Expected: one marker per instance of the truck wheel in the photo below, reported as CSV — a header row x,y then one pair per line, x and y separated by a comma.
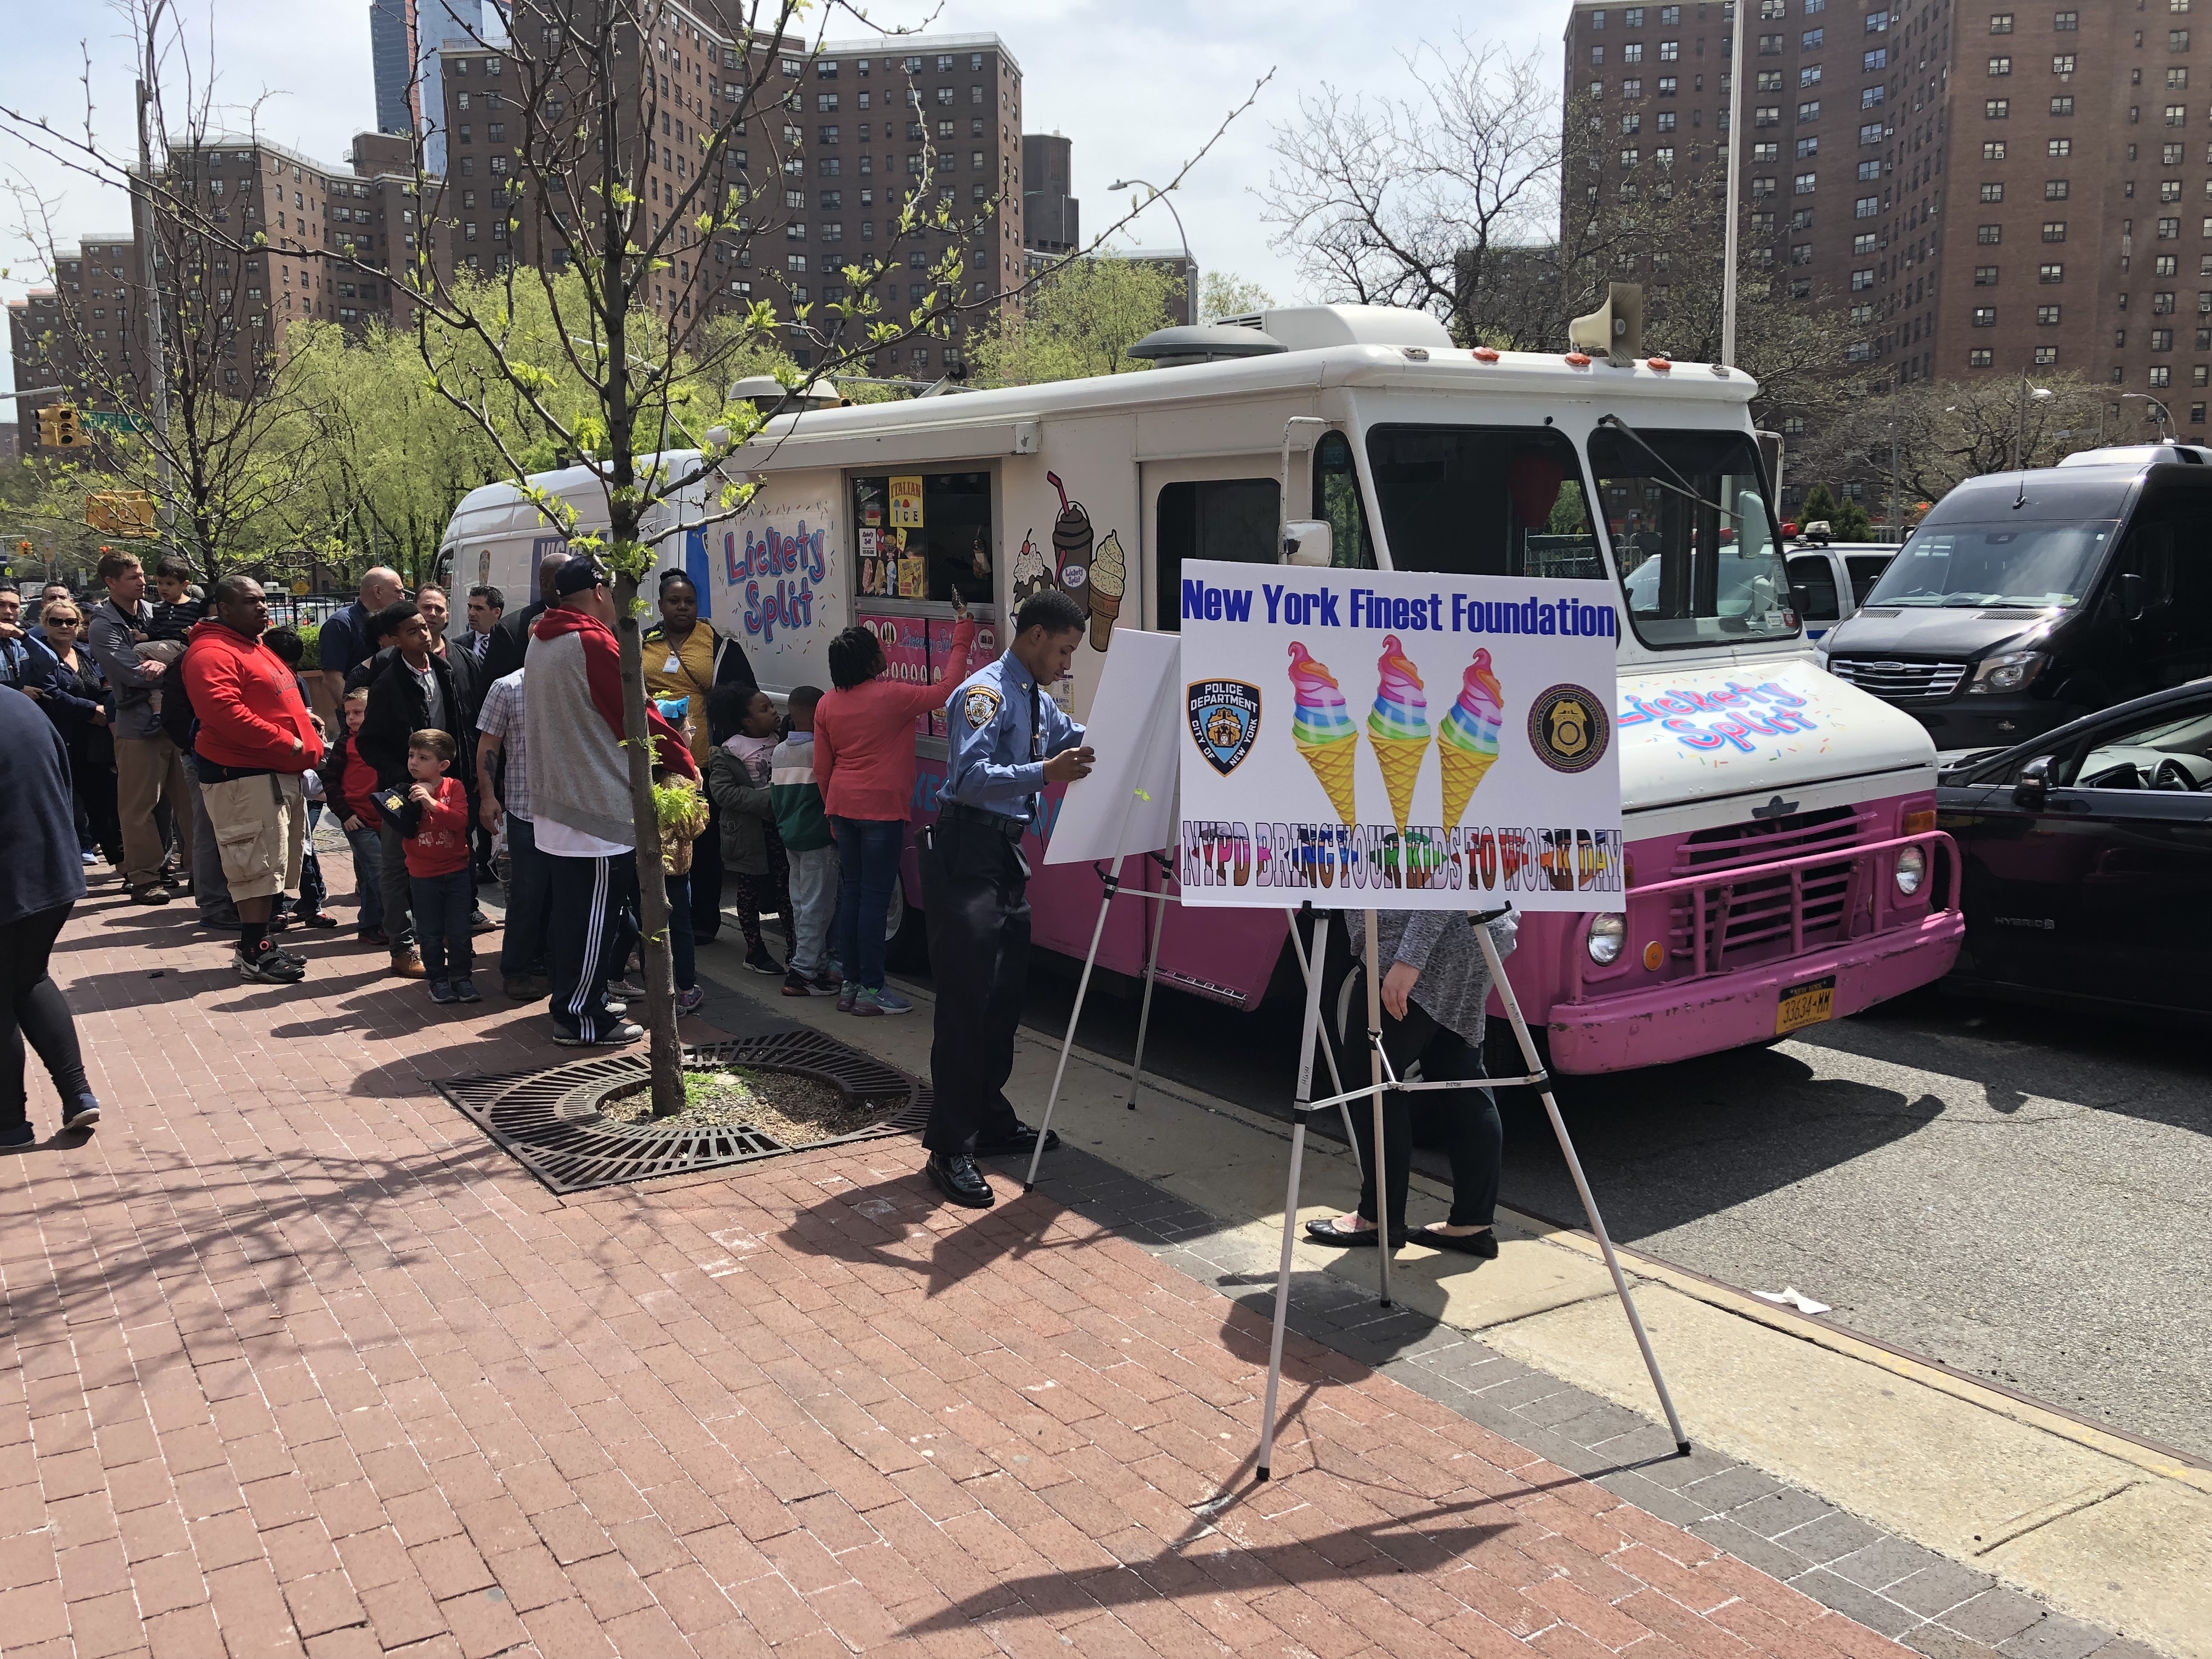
x,y
906,935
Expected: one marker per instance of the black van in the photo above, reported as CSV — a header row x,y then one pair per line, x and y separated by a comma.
x,y
2027,599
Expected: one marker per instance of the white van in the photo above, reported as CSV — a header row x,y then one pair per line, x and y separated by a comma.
x,y
497,534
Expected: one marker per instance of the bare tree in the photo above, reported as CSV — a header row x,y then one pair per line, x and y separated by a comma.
x,y
1478,199
1945,431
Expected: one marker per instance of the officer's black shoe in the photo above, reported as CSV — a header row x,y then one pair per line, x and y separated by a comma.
x,y
959,1179
1023,1139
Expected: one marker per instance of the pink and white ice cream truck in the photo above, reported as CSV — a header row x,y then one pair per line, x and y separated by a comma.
x,y
1783,861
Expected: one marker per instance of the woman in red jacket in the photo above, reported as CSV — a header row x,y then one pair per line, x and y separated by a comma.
x,y
864,765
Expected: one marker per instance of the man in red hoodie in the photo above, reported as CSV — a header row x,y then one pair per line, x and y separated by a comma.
x,y
579,798
255,738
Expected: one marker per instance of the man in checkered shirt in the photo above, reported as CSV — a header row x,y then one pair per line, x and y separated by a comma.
x,y
502,760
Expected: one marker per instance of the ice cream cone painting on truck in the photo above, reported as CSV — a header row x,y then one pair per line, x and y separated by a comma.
x,y
1548,653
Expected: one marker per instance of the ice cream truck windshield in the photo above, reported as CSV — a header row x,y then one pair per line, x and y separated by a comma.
x,y
1781,853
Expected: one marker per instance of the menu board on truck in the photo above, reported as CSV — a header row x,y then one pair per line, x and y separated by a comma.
x,y
1397,740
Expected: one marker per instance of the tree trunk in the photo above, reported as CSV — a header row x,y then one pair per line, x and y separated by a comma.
x,y
665,1052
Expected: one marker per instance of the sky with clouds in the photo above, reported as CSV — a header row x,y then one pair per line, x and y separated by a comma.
x,y
1136,84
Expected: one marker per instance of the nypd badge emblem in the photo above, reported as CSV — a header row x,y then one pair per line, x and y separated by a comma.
x,y
980,705
1225,719
1568,728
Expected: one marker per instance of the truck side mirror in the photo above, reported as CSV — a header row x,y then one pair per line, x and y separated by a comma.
x,y
2031,789
1306,541
2131,595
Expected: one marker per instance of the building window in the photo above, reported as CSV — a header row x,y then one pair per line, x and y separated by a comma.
x,y
2177,39
1808,76
2050,273
1861,281
1988,236
1869,172
2054,189
1993,192
2001,22
2062,63
1985,276
1863,244
2161,375
1803,185
2054,230
1876,59
1979,358
2047,316
2169,189
2168,229
1810,40
1993,109
1993,151
1867,207
1666,85
1766,115
1632,53
2000,66
2062,107
1986,316
1870,133
2161,303
2177,79
1809,111
2066,22
1770,45
1870,96
2177,115
2045,356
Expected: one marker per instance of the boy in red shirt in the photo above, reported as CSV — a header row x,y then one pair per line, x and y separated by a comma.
x,y
433,817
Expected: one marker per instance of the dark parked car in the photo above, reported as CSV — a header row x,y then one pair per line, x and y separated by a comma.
x,y
2089,859
2028,599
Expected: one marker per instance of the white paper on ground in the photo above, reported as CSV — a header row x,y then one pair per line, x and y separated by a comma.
x,y
1127,804
1790,1297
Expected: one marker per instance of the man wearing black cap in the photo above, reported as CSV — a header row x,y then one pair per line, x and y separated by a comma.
x,y
579,794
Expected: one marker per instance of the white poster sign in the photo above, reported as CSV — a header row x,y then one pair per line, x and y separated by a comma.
x,y
1127,805
1396,740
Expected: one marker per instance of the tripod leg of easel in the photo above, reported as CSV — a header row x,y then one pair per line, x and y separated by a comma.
x,y
1306,1035
1310,966
1383,1245
1144,1012
1074,1016
1582,1185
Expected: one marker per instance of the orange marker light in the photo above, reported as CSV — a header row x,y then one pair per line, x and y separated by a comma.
x,y
1653,955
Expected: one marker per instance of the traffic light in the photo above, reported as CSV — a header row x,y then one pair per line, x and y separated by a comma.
x,y
120,512
67,433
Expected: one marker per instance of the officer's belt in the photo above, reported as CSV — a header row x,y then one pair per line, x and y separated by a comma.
x,y
1012,828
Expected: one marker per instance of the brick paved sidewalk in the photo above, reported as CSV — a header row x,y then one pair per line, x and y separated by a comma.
x,y
295,1359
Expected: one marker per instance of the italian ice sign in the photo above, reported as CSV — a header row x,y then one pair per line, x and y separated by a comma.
x,y
1388,740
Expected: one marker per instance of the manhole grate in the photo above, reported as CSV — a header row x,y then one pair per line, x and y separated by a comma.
x,y
549,1121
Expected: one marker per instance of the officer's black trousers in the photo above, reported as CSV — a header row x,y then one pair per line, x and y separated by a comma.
x,y
974,890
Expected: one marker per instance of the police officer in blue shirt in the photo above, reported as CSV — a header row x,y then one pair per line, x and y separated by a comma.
x,y
1008,740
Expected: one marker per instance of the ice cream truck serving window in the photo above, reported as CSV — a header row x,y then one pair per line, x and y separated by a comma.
x,y
1483,500
1699,554
918,536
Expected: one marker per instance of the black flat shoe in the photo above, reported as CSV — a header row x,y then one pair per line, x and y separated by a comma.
x,y
1023,1139
960,1181
1327,1232
1484,1243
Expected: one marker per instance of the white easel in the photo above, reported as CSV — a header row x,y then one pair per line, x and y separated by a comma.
x,y
1383,1080
1111,879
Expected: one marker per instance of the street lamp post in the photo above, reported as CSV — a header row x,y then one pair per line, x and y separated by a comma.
x,y
1734,182
1159,195
2040,393
156,368
2164,414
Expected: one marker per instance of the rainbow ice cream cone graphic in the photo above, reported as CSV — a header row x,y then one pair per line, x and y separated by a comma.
x,y
1323,730
1398,726
1467,741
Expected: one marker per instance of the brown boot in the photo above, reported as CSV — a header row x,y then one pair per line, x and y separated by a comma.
x,y
407,962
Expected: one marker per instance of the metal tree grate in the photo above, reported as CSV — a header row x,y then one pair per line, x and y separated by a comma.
x,y
549,1121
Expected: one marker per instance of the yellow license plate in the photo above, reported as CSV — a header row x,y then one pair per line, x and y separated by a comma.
x,y
1805,1005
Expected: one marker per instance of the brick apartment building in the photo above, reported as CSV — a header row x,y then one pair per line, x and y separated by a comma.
x,y
849,135
1983,187
307,209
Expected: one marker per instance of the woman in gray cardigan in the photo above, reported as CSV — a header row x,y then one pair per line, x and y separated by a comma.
x,y
1433,995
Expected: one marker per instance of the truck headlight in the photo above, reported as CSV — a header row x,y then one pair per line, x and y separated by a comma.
x,y
1608,934
1911,870
2008,673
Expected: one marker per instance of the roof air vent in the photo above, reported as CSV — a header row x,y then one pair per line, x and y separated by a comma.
x,y
1205,343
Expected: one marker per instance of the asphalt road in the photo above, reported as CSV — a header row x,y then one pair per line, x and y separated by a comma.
x,y
2020,1195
